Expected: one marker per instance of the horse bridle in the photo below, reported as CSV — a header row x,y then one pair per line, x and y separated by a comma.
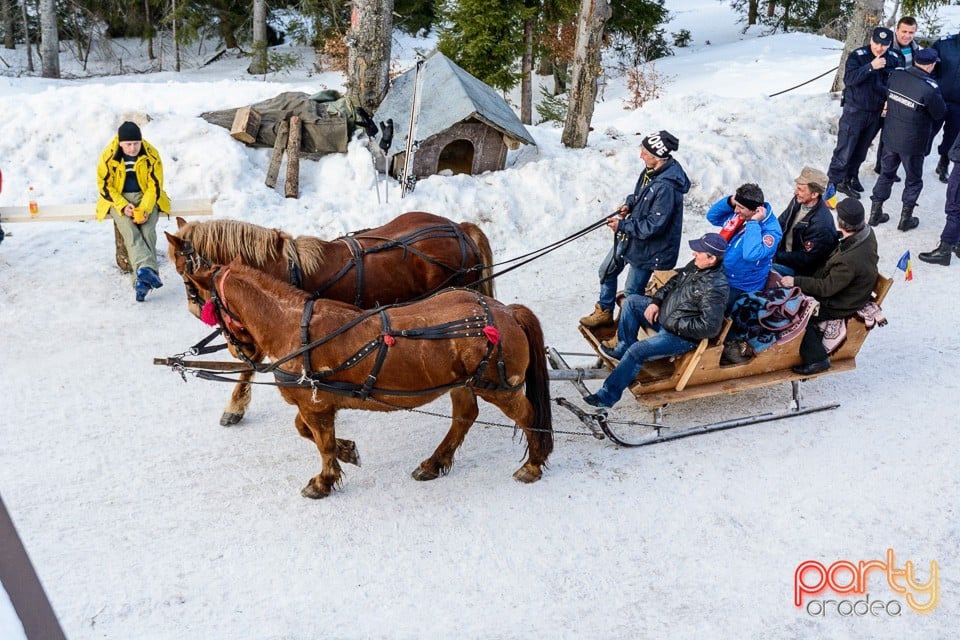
x,y
227,320
194,262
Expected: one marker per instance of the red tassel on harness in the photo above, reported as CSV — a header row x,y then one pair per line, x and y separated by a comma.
x,y
208,314
492,334
389,340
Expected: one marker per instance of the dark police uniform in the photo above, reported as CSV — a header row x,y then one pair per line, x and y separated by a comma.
x,y
947,75
865,90
914,103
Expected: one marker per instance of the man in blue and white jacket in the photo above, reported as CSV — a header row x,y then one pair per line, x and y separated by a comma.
x,y
754,233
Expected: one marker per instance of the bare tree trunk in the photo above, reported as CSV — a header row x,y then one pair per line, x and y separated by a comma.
x,y
866,16
771,8
176,43
893,14
526,77
585,71
8,42
368,60
258,65
148,21
753,8
49,40
26,36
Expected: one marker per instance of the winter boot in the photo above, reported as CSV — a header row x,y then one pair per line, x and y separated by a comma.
x,y
877,216
142,289
854,183
847,189
612,342
907,219
943,169
940,255
599,318
149,277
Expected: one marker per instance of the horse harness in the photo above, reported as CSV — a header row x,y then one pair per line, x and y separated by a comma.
x,y
477,326
406,243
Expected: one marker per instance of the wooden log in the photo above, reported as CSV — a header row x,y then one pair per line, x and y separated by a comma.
x,y
273,169
246,125
292,185
78,212
123,260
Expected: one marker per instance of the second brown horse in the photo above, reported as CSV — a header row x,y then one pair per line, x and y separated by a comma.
x,y
327,355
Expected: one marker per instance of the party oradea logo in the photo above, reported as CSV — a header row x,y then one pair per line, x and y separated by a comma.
x,y
851,582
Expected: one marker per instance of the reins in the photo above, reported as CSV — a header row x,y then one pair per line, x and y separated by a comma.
x,y
538,253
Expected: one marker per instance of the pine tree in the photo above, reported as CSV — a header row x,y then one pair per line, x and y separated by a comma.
x,y
485,37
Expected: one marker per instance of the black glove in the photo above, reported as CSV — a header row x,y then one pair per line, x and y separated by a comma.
x,y
365,121
386,134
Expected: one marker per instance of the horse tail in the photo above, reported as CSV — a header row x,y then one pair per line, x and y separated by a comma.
x,y
480,241
537,381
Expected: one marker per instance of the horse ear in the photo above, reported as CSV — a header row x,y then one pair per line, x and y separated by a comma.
x,y
174,241
203,279
181,223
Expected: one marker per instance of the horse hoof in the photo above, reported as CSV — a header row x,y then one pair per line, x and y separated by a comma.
x,y
347,452
422,474
311,492
527,474
228,419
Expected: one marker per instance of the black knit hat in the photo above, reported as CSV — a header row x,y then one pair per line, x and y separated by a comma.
x,y
129,132
851,212
661,144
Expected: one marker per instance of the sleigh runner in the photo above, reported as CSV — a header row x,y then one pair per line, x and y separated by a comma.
x,y
700,373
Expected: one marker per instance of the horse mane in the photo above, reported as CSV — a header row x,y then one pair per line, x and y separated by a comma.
x,y
220,241
309,251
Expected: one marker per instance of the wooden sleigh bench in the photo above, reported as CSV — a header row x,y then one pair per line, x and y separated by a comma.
x,y
698,373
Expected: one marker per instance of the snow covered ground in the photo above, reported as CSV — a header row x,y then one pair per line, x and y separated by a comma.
x,y
146,519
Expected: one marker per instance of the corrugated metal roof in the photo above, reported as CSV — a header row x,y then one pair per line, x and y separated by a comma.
x,y
449,95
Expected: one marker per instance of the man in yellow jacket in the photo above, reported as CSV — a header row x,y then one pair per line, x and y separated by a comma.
x,y
130,185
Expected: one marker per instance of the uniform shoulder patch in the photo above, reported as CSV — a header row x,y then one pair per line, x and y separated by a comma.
x,y
808,246
932,83
768,240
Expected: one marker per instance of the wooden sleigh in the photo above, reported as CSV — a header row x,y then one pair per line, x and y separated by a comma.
x,y
699,374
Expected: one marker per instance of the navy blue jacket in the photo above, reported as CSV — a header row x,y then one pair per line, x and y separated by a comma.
x,y
814,238
947,71
914,103
865,88
651,232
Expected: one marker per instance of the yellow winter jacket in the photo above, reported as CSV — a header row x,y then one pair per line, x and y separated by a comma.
x,y
111,174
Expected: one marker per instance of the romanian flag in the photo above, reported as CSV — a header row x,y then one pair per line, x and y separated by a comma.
x,y
830,197
906,265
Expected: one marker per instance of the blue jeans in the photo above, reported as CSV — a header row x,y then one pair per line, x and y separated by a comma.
x,y
610,270
634,353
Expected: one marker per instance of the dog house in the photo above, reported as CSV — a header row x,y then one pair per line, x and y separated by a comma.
x,y
461,124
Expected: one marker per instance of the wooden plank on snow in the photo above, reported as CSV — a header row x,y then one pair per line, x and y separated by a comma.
x,y
77,212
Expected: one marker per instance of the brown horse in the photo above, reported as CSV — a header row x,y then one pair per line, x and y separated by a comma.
x,y
413,255
457,341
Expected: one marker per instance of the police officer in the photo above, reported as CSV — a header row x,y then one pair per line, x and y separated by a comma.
x,y
904,47
948,77
914,104
865,88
